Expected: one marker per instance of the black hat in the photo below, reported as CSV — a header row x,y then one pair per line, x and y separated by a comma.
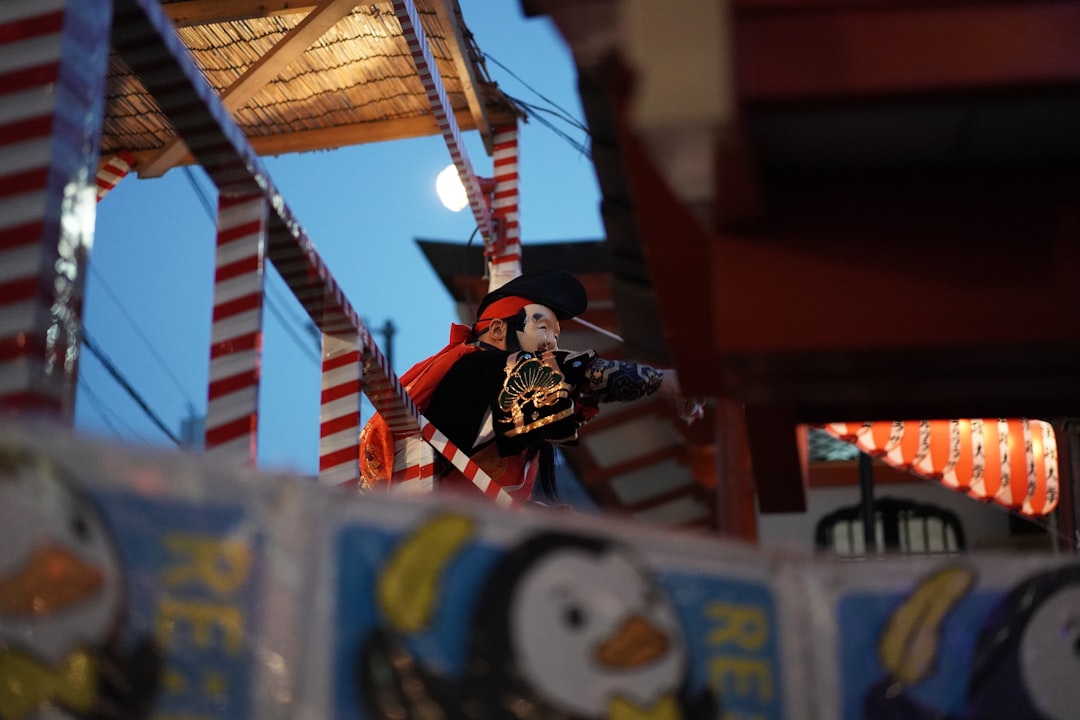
x,y
558,290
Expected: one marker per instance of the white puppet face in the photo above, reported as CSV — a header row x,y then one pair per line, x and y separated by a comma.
x,y
541,331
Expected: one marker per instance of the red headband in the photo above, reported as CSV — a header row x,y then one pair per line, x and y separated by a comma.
x,y
501,308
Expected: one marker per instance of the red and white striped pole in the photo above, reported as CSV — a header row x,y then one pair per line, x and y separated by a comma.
x,y
414,461
414,466
506,255
52,78
339,412
113,171
236,338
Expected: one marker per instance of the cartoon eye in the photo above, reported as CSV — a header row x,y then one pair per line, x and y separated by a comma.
x,y
574,617
80,527
653,595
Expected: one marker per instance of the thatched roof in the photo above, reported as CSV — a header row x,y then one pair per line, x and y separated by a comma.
x,y
306,76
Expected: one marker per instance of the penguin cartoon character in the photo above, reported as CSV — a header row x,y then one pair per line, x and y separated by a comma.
x,y
1026,659
61,601
570,626
565,626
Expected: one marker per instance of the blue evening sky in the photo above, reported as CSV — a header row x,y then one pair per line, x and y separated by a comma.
x,y
149,287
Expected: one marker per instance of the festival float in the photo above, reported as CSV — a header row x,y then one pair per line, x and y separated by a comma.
x,y
139,583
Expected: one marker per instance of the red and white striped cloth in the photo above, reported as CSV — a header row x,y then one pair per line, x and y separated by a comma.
x,y
465,465
236,337
339,412
52,73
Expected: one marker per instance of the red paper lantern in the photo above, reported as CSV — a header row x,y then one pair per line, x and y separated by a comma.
x,y
1012,462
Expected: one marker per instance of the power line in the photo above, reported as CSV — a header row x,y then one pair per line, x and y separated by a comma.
x,y
299,318
111,368
562,112
105,413
271,300
304,347
579,146
201,193
558,111
569,120
138,331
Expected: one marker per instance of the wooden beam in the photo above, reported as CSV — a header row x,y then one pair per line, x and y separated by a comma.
x,y
845,473
735,497
615,414
853,51
265,69
1068,509
330,138
691,490
778,456
758,6
638,462
207,12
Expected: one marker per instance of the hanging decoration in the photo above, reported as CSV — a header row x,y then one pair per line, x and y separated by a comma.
x,y
1012,462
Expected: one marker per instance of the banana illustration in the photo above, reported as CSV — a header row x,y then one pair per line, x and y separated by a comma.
x,y
908,646
408,588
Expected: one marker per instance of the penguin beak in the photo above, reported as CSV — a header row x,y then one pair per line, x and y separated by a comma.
x,y
50,581
636,643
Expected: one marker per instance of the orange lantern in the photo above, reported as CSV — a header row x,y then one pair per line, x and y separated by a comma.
x,y
1012,462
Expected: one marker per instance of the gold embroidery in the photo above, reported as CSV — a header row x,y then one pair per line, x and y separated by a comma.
x,y
530,381
532,392
533,386
520,429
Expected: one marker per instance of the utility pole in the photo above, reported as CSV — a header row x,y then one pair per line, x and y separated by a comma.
x,y
388,331
193,430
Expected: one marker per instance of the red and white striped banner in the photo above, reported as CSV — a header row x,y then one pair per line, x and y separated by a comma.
x,y
236,337
113,171
443,112
52,73
506,255
339,412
